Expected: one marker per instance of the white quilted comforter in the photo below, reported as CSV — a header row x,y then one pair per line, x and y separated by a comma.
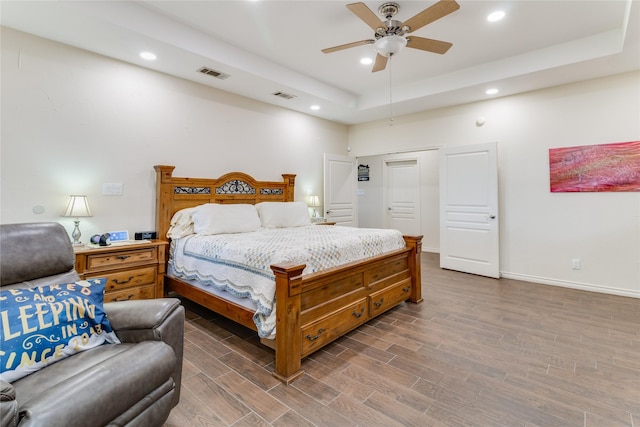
x,y
239,263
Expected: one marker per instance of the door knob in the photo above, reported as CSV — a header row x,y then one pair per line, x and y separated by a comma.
x,y
492,216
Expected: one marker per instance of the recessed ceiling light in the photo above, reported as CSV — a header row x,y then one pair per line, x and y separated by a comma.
x,y
495,16
366,61
491,91
149,56
315,107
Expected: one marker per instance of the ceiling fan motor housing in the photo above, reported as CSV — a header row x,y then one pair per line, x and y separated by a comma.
x,y
394,28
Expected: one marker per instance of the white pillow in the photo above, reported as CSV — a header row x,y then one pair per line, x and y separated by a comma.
x,y
283,214
181,224
214,218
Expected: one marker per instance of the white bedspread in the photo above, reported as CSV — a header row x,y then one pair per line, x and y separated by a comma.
x,y
239,263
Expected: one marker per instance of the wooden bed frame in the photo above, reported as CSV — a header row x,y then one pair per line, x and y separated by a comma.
x,y
313,310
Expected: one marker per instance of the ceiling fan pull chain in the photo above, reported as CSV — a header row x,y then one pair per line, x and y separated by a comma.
x,y
390,93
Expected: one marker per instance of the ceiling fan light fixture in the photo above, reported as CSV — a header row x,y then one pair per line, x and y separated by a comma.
x,y
389,45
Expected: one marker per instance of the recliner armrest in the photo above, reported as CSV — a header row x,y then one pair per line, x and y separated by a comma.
x,y
138,315
151,320
8,405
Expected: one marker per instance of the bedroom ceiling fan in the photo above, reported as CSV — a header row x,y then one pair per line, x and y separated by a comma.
x,y
390,35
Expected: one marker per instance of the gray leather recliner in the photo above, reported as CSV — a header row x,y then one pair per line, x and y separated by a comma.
x,y
134,383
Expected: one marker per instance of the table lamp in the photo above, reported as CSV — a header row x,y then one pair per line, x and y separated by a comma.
x,y
314,202
77,207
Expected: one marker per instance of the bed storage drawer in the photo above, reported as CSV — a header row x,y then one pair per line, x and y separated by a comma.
x,y
333,325
384,299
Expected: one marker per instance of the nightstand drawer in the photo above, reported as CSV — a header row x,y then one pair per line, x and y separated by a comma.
x,y
129,278
142,292
119,259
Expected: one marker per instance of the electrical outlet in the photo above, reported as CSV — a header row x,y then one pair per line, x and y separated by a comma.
x,y
576,264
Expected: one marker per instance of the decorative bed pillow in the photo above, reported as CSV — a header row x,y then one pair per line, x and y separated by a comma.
x,y
283,214
181,224
214,218
42,325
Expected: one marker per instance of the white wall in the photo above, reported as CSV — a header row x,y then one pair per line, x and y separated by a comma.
x,y
541,232
73,120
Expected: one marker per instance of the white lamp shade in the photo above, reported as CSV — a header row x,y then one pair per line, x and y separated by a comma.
x,y
78,206
389,45
314,201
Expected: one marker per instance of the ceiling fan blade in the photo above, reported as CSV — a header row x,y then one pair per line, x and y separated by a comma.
x,y
432,13
347,46
363,12
380,64
430,45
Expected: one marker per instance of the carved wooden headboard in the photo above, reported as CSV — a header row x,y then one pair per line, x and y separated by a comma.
x,y
173,194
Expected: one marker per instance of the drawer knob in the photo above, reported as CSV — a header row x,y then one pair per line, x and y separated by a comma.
x,y
405,290
358,315
378,304
118,282
123,257
315,337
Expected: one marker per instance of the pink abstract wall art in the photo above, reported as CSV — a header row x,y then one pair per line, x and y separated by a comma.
x,y
603,167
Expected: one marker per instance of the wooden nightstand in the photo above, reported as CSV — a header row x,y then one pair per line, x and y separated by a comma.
x,y
133,271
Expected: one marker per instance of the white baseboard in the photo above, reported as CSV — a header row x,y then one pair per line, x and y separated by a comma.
x,y
432,250
572,285
561,283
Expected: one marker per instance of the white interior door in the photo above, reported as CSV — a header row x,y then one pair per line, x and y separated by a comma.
x,y
340,190
402,196
469,222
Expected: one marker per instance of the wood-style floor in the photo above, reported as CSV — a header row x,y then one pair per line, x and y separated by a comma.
x,y
477,351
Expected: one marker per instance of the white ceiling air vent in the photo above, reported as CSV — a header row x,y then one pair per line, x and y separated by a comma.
x,y
284,95
211,72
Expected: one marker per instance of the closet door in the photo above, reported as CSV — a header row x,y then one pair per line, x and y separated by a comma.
x,y
402,196
340,190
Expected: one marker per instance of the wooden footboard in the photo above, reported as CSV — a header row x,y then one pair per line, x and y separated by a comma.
x,y
313,311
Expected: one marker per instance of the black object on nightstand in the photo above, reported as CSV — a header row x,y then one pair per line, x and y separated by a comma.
x,y
145,235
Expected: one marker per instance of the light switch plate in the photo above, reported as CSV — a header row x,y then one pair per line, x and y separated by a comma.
x,y
117,236
112,189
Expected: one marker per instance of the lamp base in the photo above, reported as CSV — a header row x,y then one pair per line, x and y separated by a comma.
x,y
76,233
